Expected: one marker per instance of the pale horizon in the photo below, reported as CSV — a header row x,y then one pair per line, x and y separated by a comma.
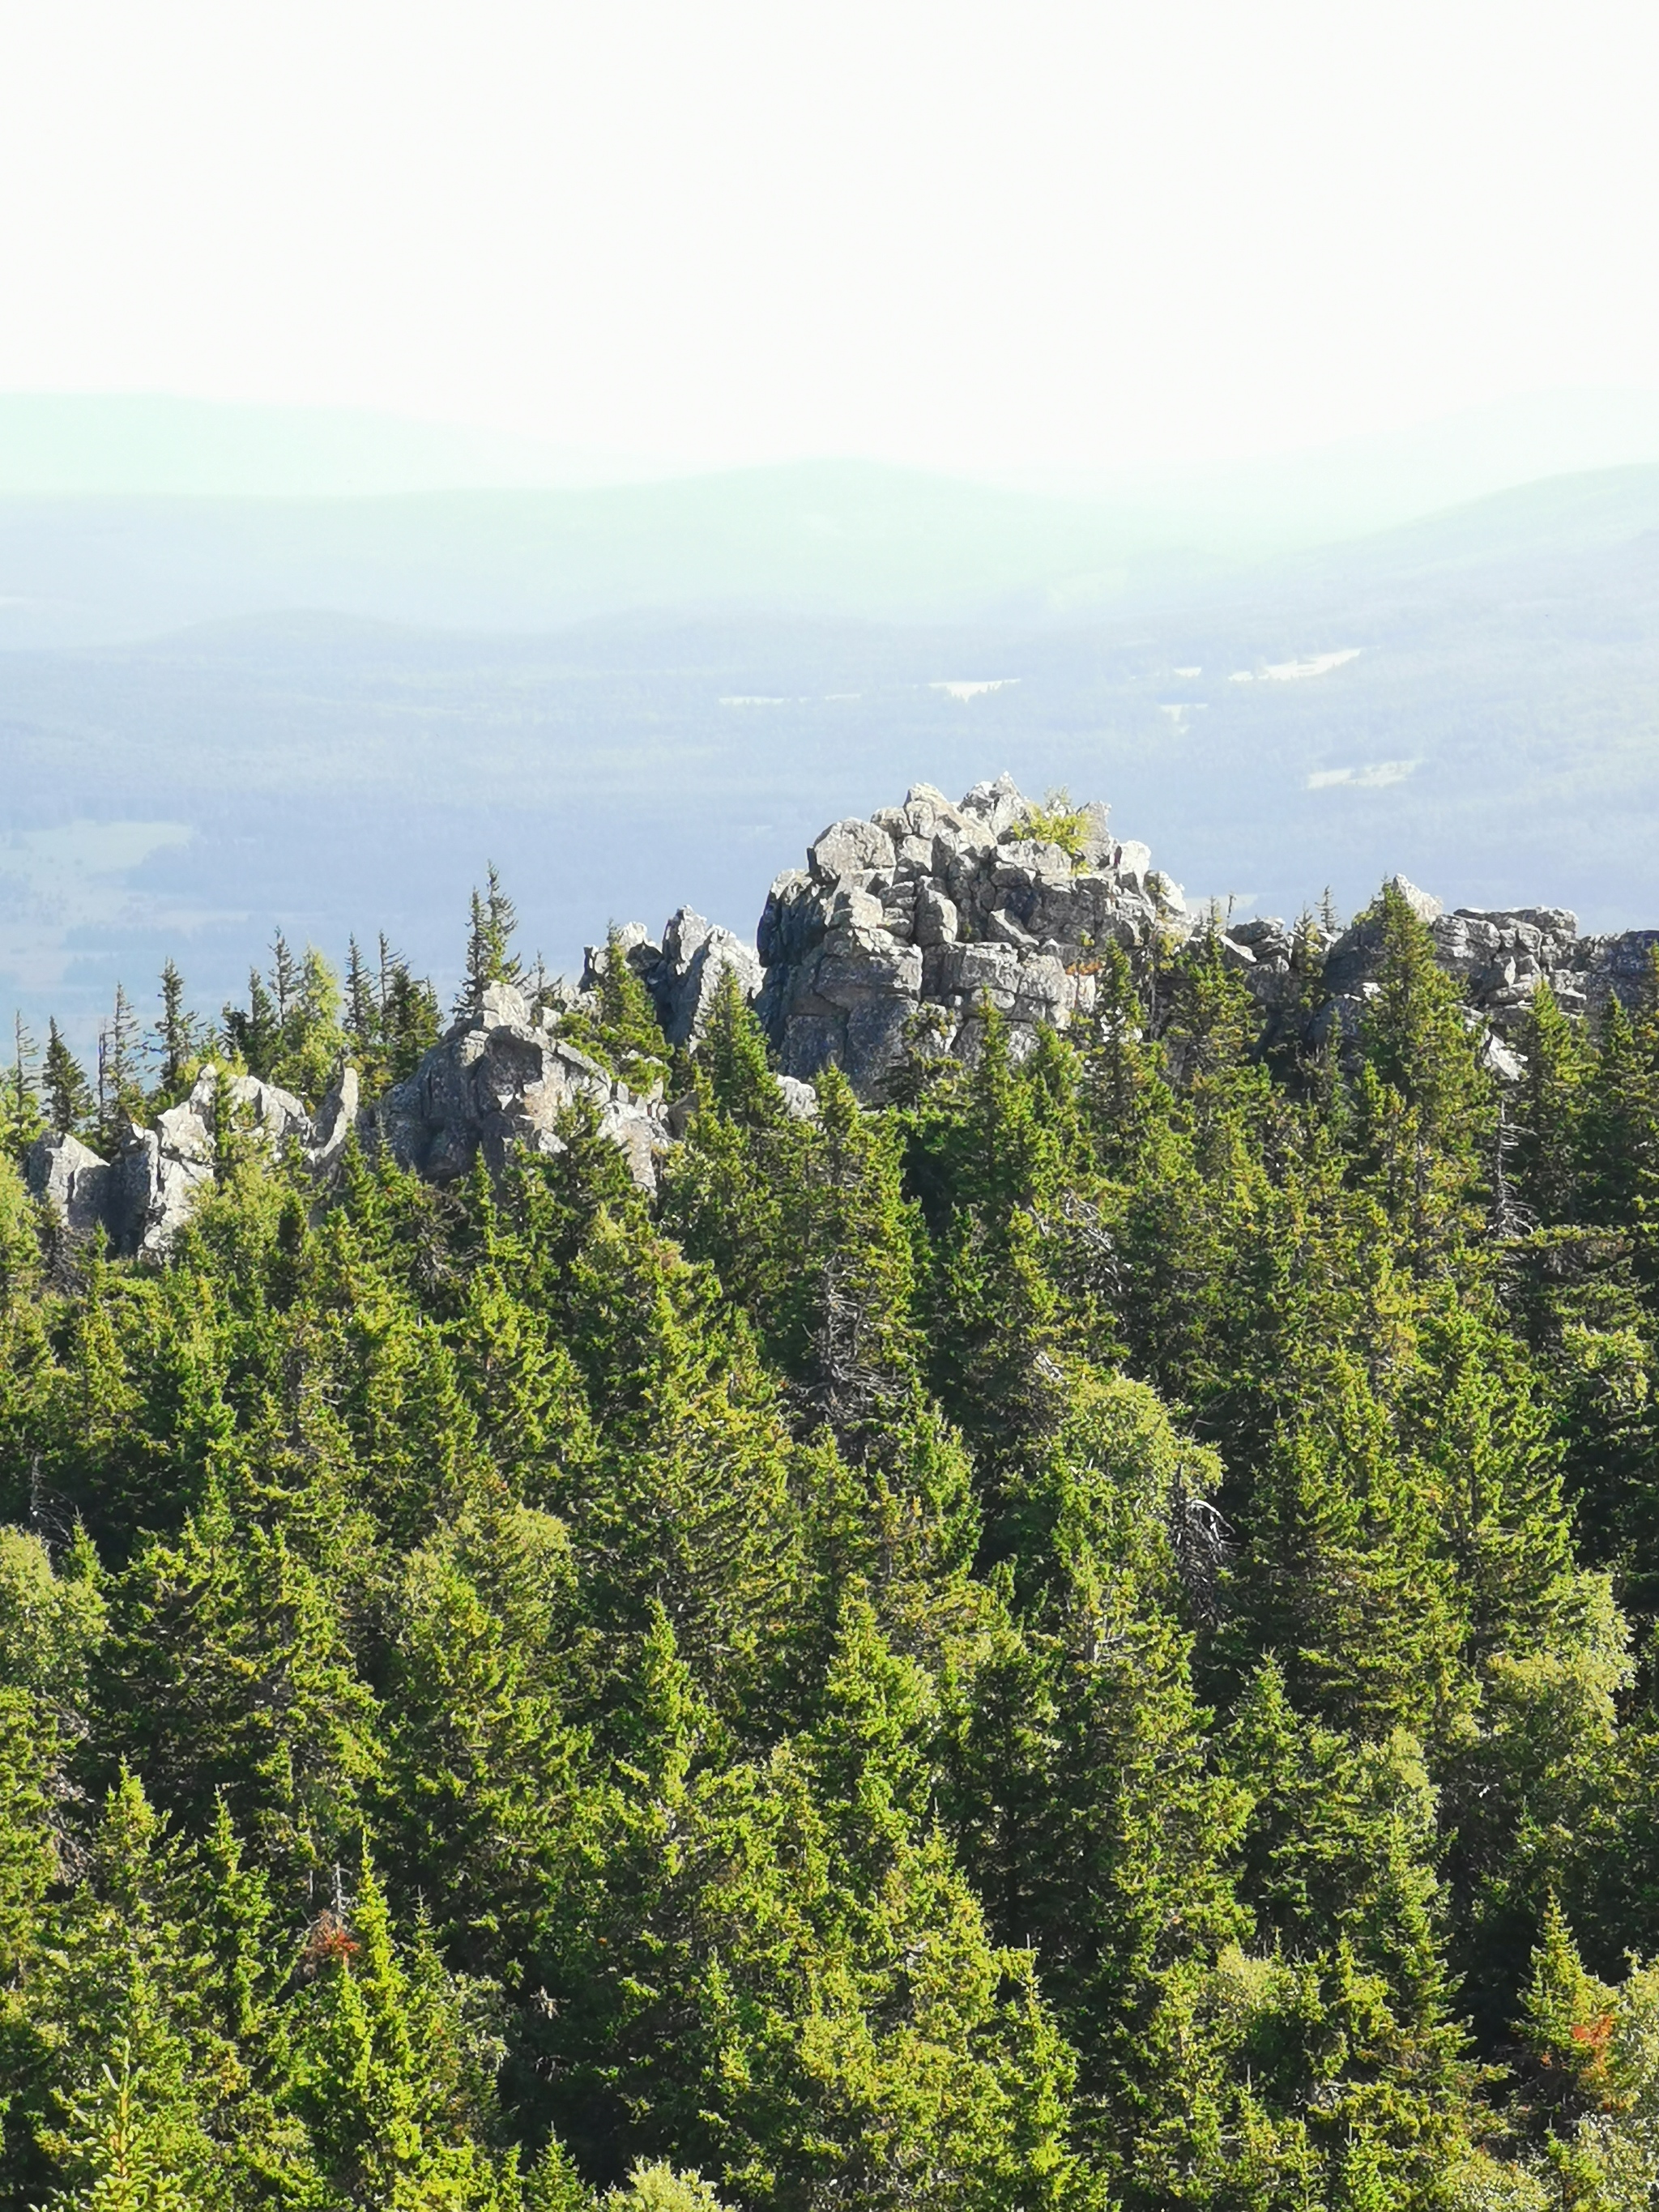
x,y
973,241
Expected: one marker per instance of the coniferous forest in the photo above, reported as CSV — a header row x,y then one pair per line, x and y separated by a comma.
x,y
1084,1637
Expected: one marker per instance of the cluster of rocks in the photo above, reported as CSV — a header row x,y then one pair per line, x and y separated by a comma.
x,y
504,1077
935,907
1498,957
925,907
682,973
501,1077
142,1197
899,927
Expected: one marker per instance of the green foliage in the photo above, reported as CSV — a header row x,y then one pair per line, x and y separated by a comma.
x,y
290,1032
1057,821
391,1018
492,921
1085,1637
20,1118
63,1083
621,1030
120,1090
174,1037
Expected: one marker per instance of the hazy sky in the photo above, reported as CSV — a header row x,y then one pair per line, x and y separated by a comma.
x,y
967,235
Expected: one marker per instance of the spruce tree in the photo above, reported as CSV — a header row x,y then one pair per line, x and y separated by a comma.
x,y
1548,1110
362,1011
255,1033
284,978
621,1031
69,1103
119,2010
1122,1089
20,1119
489,955
479,1765
1618,1139
312,1040
120,1093
1424,1111
173,1037
410,1022
226,1671
398,2106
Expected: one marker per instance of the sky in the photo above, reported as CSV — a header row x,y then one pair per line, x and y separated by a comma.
x,y
971,236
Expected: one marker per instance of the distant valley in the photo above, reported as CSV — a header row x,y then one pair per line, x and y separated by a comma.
x,y
219,715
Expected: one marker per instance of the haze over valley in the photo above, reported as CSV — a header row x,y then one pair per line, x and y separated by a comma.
x,y
219,712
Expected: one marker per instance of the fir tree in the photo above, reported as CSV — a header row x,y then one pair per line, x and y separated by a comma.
x,y
20,1119
362,1005
1424,1114
175,1038
411,1024
621,1031
120,1093
69,1102
489,955
255,1033
1549,1110
285,979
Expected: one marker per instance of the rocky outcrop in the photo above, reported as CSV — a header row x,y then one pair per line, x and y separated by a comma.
x,y
70,1177
501,1078
928,908
141,1197
682,973
505,1077
900,924
1498,957
898,928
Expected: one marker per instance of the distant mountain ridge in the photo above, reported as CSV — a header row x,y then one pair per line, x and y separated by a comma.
x,y
241,732
158,444
849,540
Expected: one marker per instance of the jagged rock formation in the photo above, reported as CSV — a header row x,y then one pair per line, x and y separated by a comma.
x,y
72,1179
682,973
499,1079
899,926
931,906
503,1077
923,908
141,1197
1499,956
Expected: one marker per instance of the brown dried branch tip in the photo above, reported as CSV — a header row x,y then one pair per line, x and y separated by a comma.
x,y
329,1938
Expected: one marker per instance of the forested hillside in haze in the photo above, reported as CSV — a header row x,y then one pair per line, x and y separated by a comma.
x,y
1084,1637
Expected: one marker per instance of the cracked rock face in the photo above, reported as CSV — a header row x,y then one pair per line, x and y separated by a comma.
x,y
70,1177
499,1080
930,906
924,907
682,974
1498,956
142,1197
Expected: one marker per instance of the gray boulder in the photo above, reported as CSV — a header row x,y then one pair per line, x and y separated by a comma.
x,y
336,1119
682,972
849,848
70,1177
493,1084
930,908
143,1197
684,984
934,917
1423,904
154,1185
